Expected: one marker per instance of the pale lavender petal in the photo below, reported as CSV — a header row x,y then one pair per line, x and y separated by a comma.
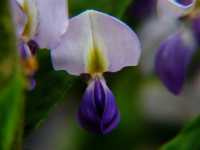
x,y
175,8
116,39
98,112
69,55
90,31
171,62
53,22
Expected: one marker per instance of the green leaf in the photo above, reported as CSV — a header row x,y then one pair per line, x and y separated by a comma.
x,y
114,7
11,106
11,83
52,88
188,139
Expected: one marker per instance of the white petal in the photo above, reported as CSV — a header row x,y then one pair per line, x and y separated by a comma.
x,y
175,9
53,22
117,44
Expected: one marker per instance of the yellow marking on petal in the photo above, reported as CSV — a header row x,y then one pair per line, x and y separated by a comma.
x,y
29,8
96,61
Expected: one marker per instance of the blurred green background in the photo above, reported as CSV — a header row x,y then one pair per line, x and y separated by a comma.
x,y
45,118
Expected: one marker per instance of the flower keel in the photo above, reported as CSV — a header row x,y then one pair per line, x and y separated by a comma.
x,y
98,112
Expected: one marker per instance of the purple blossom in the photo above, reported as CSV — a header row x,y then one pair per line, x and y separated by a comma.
x,y
98,112
171,62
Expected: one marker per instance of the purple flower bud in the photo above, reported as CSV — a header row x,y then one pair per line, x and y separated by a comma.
x,y
196,27
98,112
171,62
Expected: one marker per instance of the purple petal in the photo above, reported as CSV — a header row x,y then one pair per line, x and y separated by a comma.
x,y
98,112
171,62
196,27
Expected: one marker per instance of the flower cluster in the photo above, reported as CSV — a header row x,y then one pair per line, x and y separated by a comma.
x,y
90,43
94,43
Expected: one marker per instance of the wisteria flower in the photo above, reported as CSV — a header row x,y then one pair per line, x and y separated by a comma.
x,y
93,44
172,61
39,23
175,53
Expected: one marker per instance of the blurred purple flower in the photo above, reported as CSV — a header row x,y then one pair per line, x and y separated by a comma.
x,y
171,62
36,26
34,20
98,112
